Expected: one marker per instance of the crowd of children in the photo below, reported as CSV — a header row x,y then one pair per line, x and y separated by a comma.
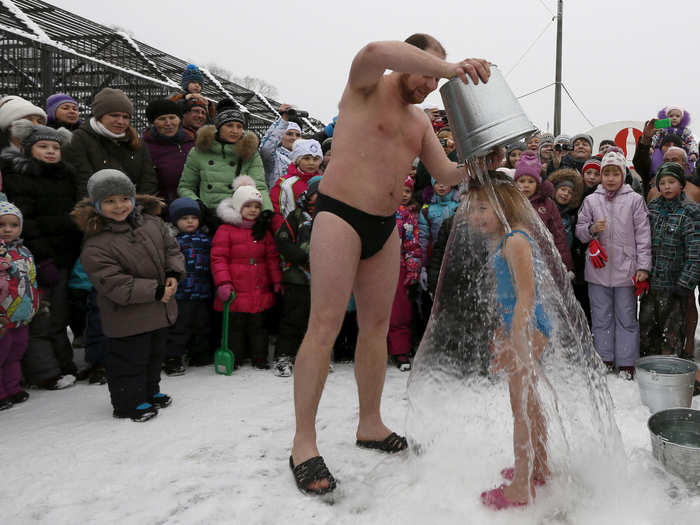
x,y
138,277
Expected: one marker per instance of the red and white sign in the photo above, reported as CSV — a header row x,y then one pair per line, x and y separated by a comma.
x,y
625,133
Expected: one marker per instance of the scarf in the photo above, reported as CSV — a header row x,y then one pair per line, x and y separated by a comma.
x,y
99,128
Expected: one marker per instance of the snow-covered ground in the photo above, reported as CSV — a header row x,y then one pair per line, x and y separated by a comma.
x,y
219,455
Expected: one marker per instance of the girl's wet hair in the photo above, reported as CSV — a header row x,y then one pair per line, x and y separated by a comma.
x,y
509,198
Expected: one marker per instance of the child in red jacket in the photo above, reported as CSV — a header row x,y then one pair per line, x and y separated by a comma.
x,y
245,262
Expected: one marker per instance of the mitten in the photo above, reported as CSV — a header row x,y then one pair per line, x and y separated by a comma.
x,y
224,292
640,287
597,254
328,130
47,274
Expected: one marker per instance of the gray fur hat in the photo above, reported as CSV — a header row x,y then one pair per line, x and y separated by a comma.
x,y
29,134
107,182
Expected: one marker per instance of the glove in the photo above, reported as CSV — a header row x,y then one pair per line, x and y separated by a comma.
x,y
328,130
423,279
278,288
597,254
680,291
224,292
640,287
47,274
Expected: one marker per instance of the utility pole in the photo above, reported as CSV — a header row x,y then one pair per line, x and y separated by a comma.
x,y
557,79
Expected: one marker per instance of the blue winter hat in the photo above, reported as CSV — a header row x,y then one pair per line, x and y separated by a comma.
x,y
191,74
56,100
183,206
314,183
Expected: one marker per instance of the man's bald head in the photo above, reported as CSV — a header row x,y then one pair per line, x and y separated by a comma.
x,y
677,155
425,42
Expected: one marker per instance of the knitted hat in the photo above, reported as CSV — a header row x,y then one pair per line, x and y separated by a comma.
x,y
582,136
29,134
14,108
676,140
192,102
303,147
670,169
314,183
56,100
592,163
7,208
229,115
514,147
159,107
111,101
614,157
546,138
528,164
244,195
326,145
181,207
108,182
562,139
408,183
191,74
293,125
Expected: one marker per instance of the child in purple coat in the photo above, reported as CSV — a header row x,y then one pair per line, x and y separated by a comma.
x,y
616,217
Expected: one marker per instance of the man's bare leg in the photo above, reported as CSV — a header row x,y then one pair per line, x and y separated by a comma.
x,y
335,252
375,287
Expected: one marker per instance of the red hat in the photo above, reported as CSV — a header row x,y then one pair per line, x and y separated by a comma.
x,y
592,163
409,182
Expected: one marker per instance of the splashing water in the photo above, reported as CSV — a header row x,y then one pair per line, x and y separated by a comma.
x,y
453,383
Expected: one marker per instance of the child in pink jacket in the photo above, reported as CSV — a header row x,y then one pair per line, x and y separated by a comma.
x,y
245,263
615,216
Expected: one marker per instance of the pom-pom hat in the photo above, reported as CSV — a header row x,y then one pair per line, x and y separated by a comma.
x,y
528,164
29,134
229,210
614,157
191,74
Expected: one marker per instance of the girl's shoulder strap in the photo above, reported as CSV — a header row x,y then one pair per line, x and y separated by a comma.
x,y
511,233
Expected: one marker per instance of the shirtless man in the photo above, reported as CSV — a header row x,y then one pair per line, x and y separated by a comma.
x,y
355,248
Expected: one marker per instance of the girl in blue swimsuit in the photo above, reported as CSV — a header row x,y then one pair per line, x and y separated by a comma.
x,y
522,337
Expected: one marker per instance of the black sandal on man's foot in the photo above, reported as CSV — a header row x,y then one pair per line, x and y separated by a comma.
x,y
392,444
309,472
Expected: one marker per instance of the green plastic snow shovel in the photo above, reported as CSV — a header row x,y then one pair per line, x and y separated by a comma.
x,y
223,357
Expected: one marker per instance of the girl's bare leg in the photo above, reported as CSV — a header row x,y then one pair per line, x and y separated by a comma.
x,y
521,489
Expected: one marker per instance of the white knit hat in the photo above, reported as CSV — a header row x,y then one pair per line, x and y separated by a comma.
x,y
229,210
306,147
614,157
15,108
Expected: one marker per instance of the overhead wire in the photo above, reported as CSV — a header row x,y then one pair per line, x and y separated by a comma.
x,y
536,91
531,46
577,106
546,7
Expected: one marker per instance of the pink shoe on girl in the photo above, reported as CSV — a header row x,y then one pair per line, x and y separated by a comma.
x,y
496,500
509,473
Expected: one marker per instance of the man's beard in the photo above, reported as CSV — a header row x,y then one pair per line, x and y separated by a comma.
x,y
410,96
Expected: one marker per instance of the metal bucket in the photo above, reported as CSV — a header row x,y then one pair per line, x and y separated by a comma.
x,y
484,115
665,381
675,441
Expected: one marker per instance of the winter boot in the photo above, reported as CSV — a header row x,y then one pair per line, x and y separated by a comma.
x,y
161,400
402,362
98,375
283,367
173,366
141,413
58,382
5,403
19,397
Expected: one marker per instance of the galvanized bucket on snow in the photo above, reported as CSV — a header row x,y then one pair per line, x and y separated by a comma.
x,y
675,441
484,115
665,381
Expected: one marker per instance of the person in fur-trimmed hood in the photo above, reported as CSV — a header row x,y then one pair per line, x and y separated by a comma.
x,y
42,185
222,153
680,120
245,264
528,178
135,264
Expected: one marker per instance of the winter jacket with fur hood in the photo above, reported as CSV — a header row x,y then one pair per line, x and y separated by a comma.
x,y
569,212
128,263
89,152
626,238
45,193
211,167
251,267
